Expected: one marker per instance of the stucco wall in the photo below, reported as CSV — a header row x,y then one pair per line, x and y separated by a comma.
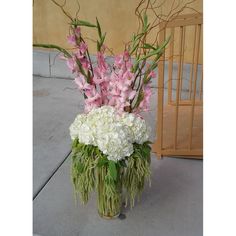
x,y
116,17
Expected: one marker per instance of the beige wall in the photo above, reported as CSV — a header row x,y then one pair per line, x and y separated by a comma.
x,y
116,17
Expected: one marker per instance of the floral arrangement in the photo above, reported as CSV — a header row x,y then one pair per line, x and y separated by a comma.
x,y
110,149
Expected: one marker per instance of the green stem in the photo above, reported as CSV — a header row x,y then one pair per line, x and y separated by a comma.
x,y
66,53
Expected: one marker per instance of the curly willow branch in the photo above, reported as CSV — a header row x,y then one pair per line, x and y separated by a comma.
x,y
154,8
62,8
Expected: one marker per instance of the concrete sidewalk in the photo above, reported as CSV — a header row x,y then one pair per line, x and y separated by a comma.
x,y
171,207
56,103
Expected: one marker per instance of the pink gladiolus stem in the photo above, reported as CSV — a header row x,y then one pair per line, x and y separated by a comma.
x,y
90,62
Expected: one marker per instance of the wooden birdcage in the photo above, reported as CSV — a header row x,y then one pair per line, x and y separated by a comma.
x,y
180,98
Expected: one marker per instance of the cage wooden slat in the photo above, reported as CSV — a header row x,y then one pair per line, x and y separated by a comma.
x,y
161,65
197,153
187,103
201,84
184,22
178,88
201,76
193,58
189,16
170,65
195,84
182,62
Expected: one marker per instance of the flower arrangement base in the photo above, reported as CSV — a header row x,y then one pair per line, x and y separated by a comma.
x,y
109,199
109,217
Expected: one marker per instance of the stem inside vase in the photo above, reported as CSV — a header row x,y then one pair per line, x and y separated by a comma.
x,y
109,193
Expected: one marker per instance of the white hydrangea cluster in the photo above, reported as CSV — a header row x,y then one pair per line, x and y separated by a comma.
x,y
112,133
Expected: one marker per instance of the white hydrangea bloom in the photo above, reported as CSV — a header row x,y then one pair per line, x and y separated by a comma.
x,y
114,141
75,126
87,134
139,130
112,133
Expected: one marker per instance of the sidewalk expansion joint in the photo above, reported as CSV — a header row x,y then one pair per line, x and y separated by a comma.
x,y
53,173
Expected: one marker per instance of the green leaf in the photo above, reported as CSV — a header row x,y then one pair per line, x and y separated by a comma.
x,y
135,67
79,167
112,169
109,180
154,52
75,142
102,161
148,142
98,152
139,99
86,23
122,163
98,46
145,152
148,46
134,48
67,54
139,36
103,38
81,68
145,20
99,28
133,37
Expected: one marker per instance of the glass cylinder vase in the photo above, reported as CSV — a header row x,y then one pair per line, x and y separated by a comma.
x,y
109,199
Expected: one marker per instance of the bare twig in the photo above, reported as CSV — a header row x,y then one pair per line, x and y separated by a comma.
x,y
62,8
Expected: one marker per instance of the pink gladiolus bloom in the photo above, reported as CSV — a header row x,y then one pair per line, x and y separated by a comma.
x,y
98,79
78,32
91,92
126,56
81,82
123,62
101,62
128,75
118,61
89,106
83,47
132,94
62,57
120,105
113,77
129,65
127,95
145,103
123,96
103,48
104,99
115,92
105,88
78,54
85,63
152,74
71,64
93,99
71,39
112,101
122,86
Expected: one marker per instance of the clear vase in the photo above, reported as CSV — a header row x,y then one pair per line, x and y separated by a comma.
x,y
109,199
